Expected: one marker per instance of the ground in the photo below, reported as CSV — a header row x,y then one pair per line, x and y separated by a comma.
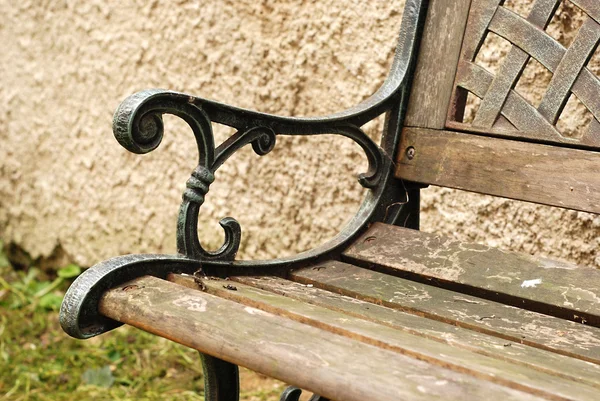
x,y
40,362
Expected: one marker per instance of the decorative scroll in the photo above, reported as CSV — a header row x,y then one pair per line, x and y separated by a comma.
x,y
138,127
293,394
502,110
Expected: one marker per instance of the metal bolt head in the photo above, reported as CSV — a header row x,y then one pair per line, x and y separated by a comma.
x,y
410,152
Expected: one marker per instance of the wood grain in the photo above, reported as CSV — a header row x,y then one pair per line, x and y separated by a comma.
x,y
446,333
577,56
510,69
331,365
500,103
555,288
384,336
473,313
436,65
549,175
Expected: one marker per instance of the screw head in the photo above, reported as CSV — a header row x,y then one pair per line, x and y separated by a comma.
x,y
410,152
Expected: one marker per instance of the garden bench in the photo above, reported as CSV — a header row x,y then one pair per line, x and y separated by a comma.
x,y
384,311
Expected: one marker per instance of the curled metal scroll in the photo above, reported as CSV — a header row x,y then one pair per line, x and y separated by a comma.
x,y
139,128
293,394
79,316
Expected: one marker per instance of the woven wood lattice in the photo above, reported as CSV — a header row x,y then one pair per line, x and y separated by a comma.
x,y
504,111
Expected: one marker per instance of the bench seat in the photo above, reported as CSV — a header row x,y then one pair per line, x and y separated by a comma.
x,y
383,312
389,310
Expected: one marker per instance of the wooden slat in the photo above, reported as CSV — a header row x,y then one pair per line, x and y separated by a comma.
x,y
491,346
499,100
332,365
520,113
593,134
576,58
517,30
436,67
555,288
550,53
489,317
510,69
386,337
543,174
590,7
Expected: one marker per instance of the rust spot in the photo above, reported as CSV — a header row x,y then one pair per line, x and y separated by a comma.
x,y
131,287
369,240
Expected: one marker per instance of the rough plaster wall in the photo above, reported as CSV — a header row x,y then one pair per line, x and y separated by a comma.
x,y
66,66
68,189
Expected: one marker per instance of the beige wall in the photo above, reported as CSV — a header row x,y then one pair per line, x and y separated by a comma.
x,y
67,188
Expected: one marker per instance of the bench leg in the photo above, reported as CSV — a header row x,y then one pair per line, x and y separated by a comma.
x,y
293,394
222,382
406,212
221,379
409,216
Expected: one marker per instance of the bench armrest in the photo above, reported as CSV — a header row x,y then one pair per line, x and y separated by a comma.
x,y
138,127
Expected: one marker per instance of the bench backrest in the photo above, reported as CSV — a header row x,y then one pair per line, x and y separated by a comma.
x,y
508,146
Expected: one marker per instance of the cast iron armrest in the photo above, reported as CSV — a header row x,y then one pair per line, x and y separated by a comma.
x,y
138,127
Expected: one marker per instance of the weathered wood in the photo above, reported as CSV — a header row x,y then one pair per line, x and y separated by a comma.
x,y
528,37
575,59
491,346
532,172
297,353
388,337
433,80
489,317
590,7
555,288
510,70
516,109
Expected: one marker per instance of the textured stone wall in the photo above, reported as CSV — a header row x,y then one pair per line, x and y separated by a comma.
x,y
69,192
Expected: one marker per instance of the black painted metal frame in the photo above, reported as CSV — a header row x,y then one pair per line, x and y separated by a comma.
x,y
138,127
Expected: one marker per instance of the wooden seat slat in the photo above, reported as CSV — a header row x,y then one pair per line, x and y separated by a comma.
x,y
492,346
489,317
388,337
288,350
556,288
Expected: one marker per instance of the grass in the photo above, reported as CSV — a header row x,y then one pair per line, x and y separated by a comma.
x,y
38,361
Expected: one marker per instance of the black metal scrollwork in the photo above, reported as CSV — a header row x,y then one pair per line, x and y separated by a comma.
x,y
138,127
293,394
